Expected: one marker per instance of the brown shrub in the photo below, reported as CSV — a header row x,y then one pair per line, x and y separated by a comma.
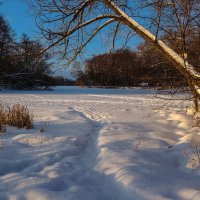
x,y
2,118
19,116
15,115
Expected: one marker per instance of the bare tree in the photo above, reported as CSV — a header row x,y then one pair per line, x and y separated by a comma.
x,y
72,24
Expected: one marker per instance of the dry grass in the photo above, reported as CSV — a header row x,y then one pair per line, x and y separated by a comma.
x,y
15,115
2,119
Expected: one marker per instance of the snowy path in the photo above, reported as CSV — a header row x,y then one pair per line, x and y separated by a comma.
x,y
86,183
97,145
94,184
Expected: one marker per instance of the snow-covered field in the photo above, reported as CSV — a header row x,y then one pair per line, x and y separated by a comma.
x,y
99,144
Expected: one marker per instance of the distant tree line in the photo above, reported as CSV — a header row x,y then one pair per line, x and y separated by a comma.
x,y
124,67
22,66
61,81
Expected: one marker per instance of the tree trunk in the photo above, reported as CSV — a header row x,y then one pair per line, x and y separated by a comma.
x,y
187,70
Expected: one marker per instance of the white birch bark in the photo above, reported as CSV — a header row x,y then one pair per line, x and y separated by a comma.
x,y
188,71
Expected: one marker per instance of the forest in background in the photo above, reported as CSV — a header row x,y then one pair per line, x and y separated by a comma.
x,y
23,66
125,67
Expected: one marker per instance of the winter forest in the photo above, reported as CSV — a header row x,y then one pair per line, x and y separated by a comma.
x,y
123,124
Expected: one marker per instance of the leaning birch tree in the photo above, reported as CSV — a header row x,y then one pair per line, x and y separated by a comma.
x,y
69,25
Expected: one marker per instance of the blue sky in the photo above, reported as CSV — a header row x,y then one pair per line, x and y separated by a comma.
x,y
21,20
19,16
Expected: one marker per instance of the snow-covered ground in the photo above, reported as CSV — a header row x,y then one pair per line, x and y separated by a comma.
x,y
99,144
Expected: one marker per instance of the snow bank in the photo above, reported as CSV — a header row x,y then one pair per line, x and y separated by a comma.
x,y
99,144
